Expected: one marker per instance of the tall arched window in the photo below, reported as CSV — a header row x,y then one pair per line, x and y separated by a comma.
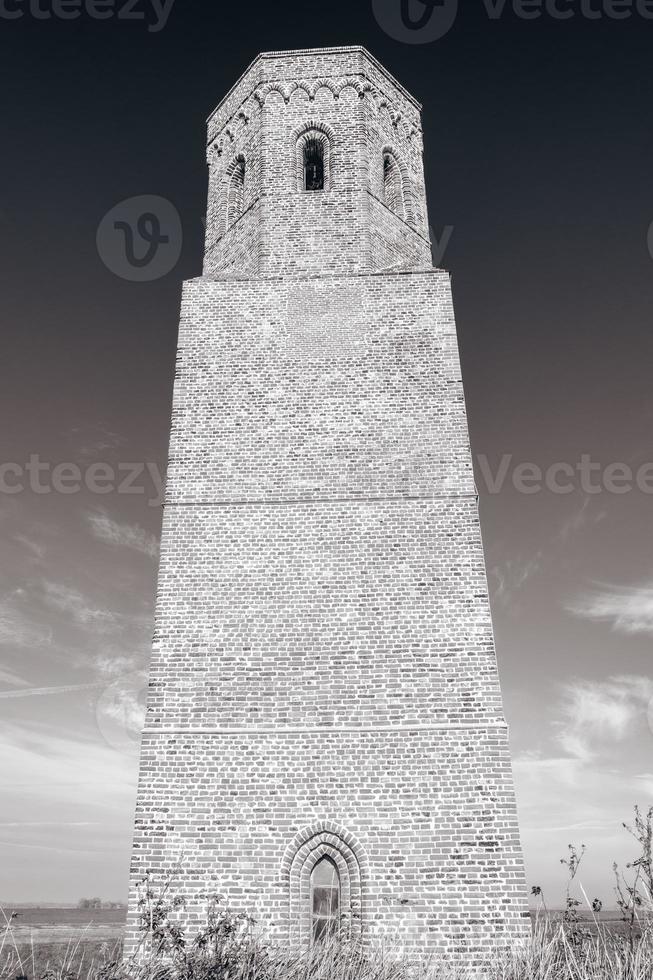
x,y
325,899
236,191
392,184
313,164
325,870
312,148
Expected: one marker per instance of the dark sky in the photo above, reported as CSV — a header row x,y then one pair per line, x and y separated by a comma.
x,y
539,156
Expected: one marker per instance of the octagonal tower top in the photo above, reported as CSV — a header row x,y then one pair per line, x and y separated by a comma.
x,y
315,167
288,67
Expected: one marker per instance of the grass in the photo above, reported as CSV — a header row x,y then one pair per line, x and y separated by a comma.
x,y
78,959
232,951
578,943
550,955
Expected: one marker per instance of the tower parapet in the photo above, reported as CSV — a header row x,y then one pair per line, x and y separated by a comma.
x,y
315,167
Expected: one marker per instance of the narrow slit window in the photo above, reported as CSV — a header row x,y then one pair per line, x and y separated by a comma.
x,y
392,184
314,165
325,899
236,193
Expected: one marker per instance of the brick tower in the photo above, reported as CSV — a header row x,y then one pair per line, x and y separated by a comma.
x,y
325,739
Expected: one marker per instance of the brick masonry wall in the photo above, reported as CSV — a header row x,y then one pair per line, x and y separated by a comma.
x,y
326,613
323,677
300,388
432,811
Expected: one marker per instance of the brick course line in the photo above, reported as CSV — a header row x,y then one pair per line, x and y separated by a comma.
x,y
291,501
329,729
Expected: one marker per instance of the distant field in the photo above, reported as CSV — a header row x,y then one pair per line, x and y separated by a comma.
x,y
36,925
62,925
62,939
609,918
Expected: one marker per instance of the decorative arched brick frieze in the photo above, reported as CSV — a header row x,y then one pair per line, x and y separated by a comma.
x,y
323,134
406,183
285,91
415,133
393,114
324,839
221,144
335,85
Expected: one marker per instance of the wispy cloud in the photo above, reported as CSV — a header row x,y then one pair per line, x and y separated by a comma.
x,y
643,784
563,800
50,765
17,627
52,848
49,823
124,706
113,664
90,440
79,607
593,713
512,575
66,809
131,536
584,516
628,609
10,677
534,765
34,549
30,692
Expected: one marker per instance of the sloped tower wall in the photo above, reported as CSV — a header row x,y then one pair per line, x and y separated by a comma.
x,y
323,680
